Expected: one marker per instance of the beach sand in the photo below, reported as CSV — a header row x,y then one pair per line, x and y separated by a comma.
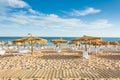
x,y
71,63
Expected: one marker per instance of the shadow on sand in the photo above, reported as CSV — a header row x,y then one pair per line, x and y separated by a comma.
x,y
112,57
53,51
50,51
58,56
3,56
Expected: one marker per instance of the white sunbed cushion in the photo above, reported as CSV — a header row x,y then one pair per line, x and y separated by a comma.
x,y
23,51
20,52
94,50
85,54
104,48
2,52
58,49
42,47
114,48
73,48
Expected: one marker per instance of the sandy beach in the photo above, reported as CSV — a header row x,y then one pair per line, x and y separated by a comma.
x,y
59,39
49,59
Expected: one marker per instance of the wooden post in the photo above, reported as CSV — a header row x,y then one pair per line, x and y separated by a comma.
x,y
85,46
31,48
2,46
24,45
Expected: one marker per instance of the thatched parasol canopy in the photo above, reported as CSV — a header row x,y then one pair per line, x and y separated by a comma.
x,y
74,42
104,42
29,40
42,41
59,41
88,38
114,43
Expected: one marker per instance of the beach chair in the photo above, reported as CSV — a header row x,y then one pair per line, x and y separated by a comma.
x,y
58,49
42,47
73,48
2,52
103,48
22,51
85,54
96,50
113,48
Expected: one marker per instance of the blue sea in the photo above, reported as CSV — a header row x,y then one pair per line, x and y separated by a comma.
x,y
50,38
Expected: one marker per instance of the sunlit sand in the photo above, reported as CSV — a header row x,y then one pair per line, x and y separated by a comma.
x,y
49,60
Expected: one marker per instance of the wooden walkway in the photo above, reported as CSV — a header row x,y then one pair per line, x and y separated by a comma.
x,y
52,74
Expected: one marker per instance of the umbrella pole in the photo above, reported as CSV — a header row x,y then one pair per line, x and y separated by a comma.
x,y
76,46
85,53
95,48
59,47
24,45
9,48
2,46
17,47
85,47
31,48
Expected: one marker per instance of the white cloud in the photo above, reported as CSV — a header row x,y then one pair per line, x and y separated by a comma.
x,y
33,11
100,24
54,21
85,12
18,4
7,6
35,20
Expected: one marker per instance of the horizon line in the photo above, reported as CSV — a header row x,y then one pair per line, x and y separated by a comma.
x,y
61,36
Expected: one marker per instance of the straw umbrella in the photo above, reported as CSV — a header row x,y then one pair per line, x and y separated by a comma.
x,y
33,40
59,41
42,41
30,40
18,43
105,42
97,44
104,45
76,43
87,39
114,45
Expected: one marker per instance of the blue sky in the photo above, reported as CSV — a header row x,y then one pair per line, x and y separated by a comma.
x,y
60,18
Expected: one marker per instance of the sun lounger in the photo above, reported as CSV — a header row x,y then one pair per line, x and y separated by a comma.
x,y
2,52
58,49
22,51
96,50
114,48
103,48
73,48
85,54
